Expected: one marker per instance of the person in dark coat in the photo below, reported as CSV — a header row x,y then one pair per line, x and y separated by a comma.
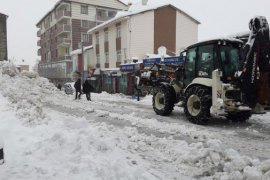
x,y
78,88
59,87
87,88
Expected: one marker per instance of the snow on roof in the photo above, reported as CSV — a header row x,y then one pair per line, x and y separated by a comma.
x,y
125,14
2,14
79,51
156,55
219,39
75,52
88,47
110,69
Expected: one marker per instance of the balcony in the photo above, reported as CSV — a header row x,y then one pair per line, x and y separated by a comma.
x,y
39,52
63,5
65,58
65,28
39,43
63,14
39,33
65,42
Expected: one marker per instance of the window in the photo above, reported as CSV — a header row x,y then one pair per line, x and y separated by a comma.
x,y
101,12
118,31
85,24
84,9
85,37
111,14
106,34
107,57
97,38
205,61
190,65
230,59
118,53
67,51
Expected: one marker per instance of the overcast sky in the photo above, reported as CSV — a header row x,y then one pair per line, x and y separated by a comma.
x,y
218,18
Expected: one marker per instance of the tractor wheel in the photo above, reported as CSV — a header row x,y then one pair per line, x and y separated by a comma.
x,y
197,104
163,100
239,116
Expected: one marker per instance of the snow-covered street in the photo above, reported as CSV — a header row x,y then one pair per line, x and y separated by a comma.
x,y
48,135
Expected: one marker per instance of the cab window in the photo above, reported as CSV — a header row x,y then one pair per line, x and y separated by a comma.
x,y
190,65
205,61
230,59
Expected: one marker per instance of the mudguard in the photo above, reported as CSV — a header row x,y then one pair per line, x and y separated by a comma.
x,y
200,81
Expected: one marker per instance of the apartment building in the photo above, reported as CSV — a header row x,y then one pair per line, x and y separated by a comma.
x,y
64,29
3,37
135,34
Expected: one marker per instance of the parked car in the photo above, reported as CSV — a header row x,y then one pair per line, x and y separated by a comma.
x,y
69,88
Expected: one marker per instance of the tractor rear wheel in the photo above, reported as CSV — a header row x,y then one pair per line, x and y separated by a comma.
x,y
163,100
197,104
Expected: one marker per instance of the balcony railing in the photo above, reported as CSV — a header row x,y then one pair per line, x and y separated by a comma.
x,y
64,42
64,28
65,58
103,18
39,33
63,14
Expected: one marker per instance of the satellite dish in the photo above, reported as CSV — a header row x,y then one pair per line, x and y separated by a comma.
x,y
162,50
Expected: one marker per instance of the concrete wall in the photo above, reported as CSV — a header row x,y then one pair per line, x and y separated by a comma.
x,y
186,32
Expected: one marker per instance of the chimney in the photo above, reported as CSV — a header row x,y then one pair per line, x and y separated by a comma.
x,y
144,2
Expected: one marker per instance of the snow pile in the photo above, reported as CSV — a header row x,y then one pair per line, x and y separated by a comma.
x,y
202,160
25,91
8,68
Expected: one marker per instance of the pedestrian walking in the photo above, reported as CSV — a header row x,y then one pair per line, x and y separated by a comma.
x,y
87,89
78,88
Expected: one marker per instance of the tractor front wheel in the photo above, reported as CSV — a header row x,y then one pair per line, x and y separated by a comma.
x,y
197,104
163,100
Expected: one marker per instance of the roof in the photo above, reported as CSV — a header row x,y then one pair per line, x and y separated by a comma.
x,y
211,41
123,15
57,4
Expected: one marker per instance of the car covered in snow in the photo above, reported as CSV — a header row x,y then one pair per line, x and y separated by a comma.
x,y
69,88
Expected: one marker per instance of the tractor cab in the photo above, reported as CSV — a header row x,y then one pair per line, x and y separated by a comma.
x,y
203,58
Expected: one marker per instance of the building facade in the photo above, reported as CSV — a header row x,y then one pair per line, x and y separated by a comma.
x,y
3,37
64,29
133,35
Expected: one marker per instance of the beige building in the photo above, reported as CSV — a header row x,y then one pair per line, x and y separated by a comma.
x,y
64,29
135,34
3,37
